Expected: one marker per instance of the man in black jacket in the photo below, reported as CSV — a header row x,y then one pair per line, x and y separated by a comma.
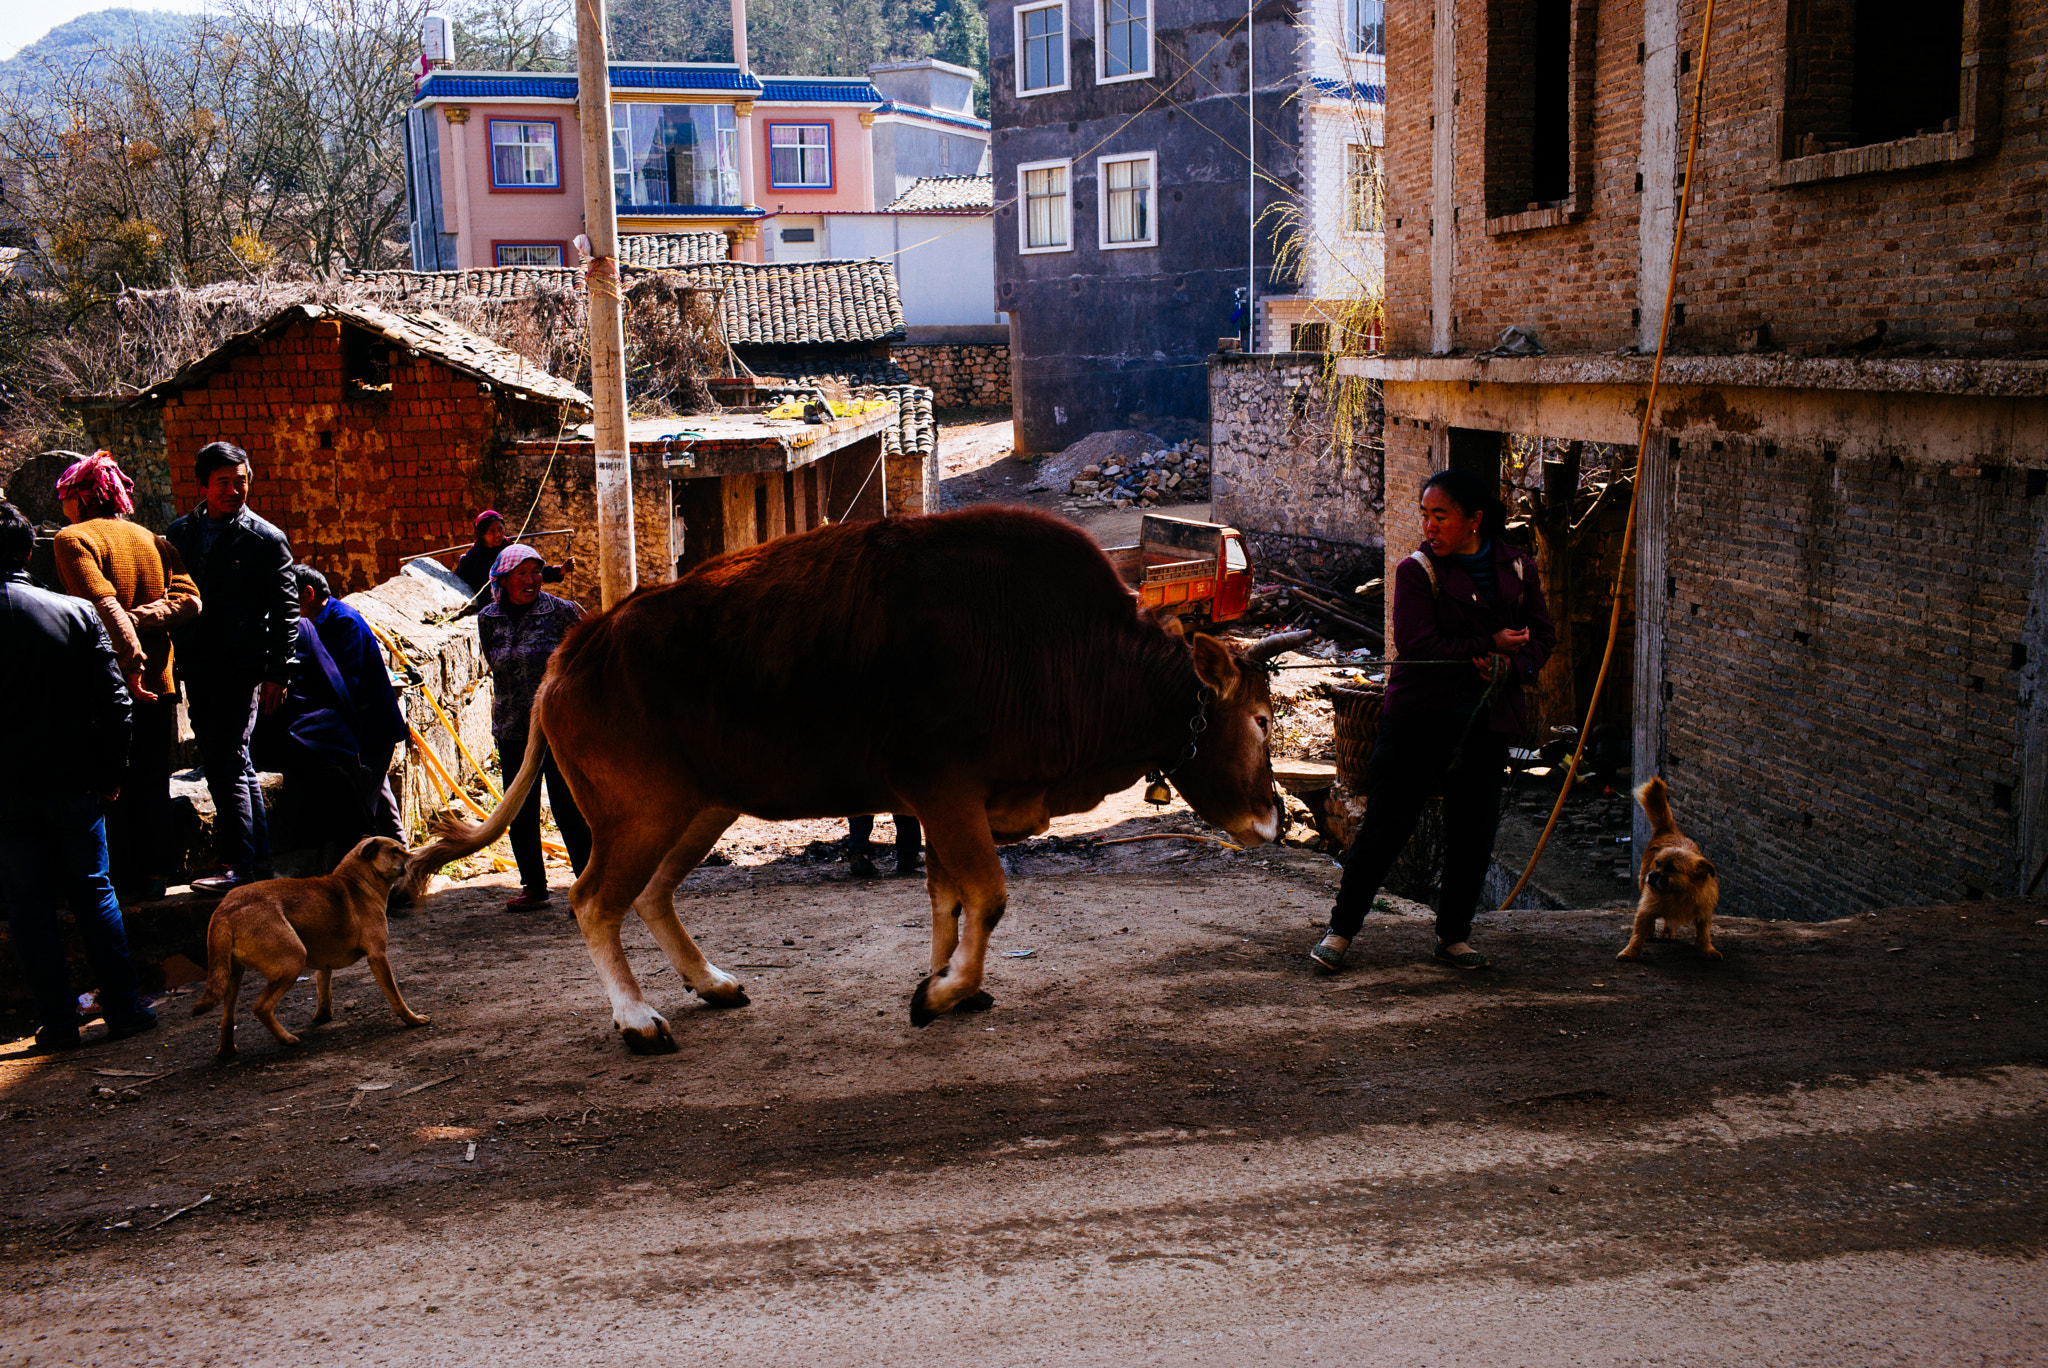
x,y
63,689
236,660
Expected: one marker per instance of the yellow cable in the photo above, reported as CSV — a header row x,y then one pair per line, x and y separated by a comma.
x,y
435,704
1571,773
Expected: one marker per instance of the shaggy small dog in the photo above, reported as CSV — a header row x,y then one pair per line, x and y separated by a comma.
x,y
1679,884
279,926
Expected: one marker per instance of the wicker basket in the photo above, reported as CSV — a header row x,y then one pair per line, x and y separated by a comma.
x,y
1357,710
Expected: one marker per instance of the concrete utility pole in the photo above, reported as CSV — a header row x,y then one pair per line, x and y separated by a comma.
x,y
617,566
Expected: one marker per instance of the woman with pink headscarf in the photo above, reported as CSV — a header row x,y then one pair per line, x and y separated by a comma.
x,y
138,584
519,629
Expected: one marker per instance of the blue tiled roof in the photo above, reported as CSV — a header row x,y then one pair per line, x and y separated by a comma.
x,y
510,87
936,115
814,92
682,78
1348,90
547,86
689,211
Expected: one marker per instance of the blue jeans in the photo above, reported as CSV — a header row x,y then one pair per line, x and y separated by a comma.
x,y
52,845
224,716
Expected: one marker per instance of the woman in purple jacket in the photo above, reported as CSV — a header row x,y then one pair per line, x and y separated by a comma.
x,y
1470,626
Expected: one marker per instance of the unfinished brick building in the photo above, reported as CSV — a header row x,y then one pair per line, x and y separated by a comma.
x,y
367,429
1841,572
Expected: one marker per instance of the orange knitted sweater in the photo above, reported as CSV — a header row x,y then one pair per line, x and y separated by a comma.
x,y
106,557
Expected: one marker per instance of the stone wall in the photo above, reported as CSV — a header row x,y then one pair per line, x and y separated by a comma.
x,y
1276,466
959,374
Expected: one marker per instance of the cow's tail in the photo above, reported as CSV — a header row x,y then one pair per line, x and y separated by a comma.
x,y
455,838
220,958
1656,805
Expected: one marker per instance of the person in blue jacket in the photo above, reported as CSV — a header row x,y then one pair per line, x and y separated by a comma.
x,y
361,681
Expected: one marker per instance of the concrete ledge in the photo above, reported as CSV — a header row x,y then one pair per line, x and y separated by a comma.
x,y
1978,377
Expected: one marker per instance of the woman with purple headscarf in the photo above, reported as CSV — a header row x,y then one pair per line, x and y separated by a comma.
x,y
139,586
520,628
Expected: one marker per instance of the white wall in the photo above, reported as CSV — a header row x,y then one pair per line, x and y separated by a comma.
x,y
945,263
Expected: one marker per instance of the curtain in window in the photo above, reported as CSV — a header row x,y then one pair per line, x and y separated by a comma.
x,y
1124,49
522,153
683,155
1129,189
799,155
1045,207
1045,48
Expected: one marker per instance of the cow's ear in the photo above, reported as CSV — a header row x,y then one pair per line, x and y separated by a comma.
x,y
1705,870
1169,623
1217,667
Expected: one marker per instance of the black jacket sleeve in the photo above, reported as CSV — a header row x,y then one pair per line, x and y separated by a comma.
x,y
281,608
104,704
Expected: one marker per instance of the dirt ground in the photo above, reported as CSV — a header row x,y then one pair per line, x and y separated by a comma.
x,y
1169,1143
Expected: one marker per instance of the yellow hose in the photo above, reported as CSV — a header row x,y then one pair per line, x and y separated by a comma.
x,y
1635,497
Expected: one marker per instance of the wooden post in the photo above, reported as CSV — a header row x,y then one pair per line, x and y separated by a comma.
x,y
616,569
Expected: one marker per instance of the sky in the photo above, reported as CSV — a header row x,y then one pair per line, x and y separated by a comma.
x,y
24,21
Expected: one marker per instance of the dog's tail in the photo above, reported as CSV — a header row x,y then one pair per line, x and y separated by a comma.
x,y
1656,805
456,838
220,958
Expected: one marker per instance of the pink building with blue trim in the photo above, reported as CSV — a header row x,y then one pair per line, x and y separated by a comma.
x,y
495,174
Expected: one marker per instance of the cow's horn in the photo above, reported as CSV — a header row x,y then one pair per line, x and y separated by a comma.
x,y
1267,647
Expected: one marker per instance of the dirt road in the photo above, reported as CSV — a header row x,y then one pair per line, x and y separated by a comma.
x,y
1168,1144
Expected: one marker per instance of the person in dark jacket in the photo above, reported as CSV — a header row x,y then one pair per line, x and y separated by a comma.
x,y
474,569
236,660
519,629
357,683
62,686
1470,620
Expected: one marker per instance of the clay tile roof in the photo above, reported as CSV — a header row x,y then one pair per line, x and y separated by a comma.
x,y
417,288
765,305
797,302
947,194
671,249
427,334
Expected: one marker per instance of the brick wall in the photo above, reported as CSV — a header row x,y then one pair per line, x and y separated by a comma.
x,y
1275,464
356,478
1950,254
959,374
1844,705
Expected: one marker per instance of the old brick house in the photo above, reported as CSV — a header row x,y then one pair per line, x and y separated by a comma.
x,y
1842,572
367,429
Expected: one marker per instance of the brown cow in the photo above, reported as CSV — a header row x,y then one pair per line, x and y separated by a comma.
x,y
985,670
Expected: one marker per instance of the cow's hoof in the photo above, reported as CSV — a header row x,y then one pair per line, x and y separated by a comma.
x,y
725,995
977,1001
655,1038
921,1013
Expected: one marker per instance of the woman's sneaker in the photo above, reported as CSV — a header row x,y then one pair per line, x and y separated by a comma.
x,y
528,900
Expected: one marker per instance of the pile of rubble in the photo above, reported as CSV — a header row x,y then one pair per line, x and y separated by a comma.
x,y
1173,474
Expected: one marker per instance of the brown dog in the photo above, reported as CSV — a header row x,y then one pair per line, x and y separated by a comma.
x,y
280,926
1679,884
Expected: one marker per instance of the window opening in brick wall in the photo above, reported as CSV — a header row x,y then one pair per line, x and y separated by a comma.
x,y
1308,337
1127,199
1862,73
365,359
1529,106
1125,51
1047,225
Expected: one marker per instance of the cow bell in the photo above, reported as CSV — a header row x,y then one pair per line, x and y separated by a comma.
x,y
1157,793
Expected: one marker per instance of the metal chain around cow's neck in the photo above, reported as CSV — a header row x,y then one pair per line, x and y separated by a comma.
x,y
1197,724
